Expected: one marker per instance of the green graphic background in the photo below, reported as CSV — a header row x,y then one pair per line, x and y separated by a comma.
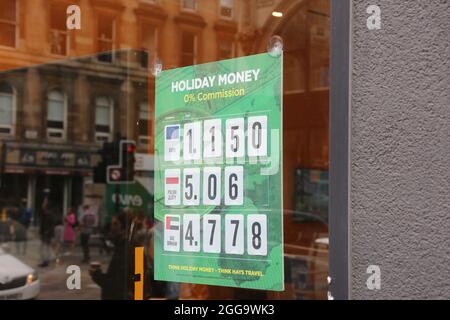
x,y
262,193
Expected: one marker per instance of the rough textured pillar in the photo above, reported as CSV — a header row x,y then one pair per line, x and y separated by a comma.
x,y
83,131
400,150
33,104
127,110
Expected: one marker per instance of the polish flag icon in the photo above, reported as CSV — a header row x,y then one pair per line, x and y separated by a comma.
x,y
172,180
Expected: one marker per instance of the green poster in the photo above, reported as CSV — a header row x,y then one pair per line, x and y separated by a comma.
x,y
218,174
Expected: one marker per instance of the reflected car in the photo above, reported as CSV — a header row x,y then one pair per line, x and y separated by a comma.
x,y
306,247
17,280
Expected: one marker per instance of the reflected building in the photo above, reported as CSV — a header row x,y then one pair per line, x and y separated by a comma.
x,y
56,117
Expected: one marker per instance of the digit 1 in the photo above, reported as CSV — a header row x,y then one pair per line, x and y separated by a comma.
x,y
189,133
213,138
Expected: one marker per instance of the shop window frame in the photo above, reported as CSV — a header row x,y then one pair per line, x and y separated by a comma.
x,y
17,30
98,134
339,137
233,11
66,33
50,130
12,126
186,9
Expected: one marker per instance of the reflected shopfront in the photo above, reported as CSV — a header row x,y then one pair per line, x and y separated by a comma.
x,y
64,93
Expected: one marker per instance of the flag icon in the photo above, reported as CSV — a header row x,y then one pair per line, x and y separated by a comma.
x,y
172,223
173,132
172,180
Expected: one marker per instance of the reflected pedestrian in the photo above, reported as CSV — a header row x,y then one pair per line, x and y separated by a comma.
x,y
116,283
88,222
58,239
69,230
46,233
26,214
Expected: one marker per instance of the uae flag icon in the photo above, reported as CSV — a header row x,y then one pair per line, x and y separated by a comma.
x,y
173,223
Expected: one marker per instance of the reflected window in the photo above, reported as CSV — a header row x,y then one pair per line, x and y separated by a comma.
x,y
8,23
226,49
59,37
7,110
103,119
56,115
148,43
190,5
226,9
188,49
144,124
294,74
106,38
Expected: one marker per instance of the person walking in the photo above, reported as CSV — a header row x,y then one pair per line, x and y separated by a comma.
x,y
58,240
69,230
46,233
26,214
88,221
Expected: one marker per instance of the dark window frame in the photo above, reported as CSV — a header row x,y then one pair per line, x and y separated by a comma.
x,y
340,104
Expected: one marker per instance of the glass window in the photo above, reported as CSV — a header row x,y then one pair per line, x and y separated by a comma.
x,y
106,38
59,38
6,109
148,42
189,5
103,119
226,49
108,99
56,110
226,9
8,23
188,49
144,123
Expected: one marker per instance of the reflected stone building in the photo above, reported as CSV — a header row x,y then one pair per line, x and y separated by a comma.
x,y
56,117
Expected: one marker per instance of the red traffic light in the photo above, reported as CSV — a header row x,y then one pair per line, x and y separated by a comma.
x,y
131,149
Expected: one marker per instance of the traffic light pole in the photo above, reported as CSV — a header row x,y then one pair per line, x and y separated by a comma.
x,y
117,199
2,165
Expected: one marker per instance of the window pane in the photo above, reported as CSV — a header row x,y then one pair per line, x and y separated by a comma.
x,y
55,111
226,8
148,37
102,115
8,10
144,111
188,49
143,127
106,27
7,34
225,50
58,17
58,42
4,88
189,4
6,109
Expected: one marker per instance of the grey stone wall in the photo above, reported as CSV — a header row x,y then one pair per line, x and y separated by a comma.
x,y
400,150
